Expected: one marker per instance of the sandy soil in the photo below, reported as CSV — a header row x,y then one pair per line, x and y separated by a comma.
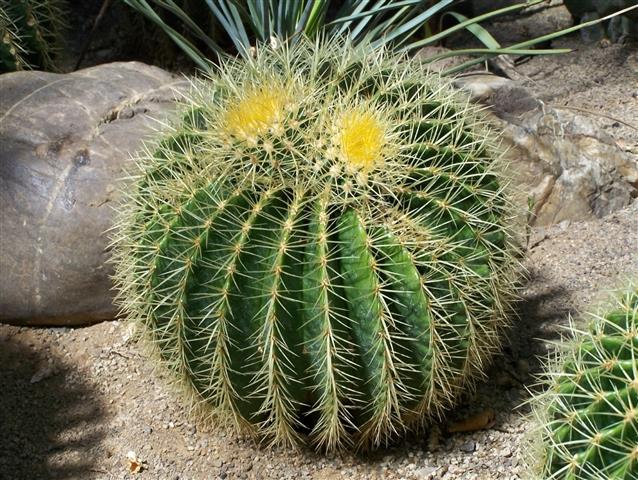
x,y
76,401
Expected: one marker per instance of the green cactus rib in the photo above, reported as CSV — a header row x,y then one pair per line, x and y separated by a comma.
x,y
312,256
29,33
11,52
590,412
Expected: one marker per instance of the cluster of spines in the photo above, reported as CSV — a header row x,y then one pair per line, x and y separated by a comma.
x,y
299,290
30,33
588,417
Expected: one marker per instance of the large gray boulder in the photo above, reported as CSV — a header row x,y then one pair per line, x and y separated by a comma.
x,y
560,160
65,139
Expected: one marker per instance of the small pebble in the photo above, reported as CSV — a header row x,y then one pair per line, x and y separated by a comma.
x,y
468,447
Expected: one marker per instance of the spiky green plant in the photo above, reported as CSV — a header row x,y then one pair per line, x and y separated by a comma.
x,y
246,23
29,33
321,250
589,414
383,23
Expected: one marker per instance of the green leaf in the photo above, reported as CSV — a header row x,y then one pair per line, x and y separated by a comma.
x,y
479,32
464,24
408,28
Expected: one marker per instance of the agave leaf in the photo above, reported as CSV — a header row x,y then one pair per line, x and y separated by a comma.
x,y
543,38
466,23
479,32
408,28
182,42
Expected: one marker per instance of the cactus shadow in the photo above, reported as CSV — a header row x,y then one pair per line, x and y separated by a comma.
x,y
540,315
50,418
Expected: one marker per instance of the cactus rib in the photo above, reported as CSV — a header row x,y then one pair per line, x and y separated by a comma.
x,y
589,416
30,31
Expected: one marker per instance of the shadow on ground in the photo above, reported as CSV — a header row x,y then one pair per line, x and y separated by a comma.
x,y
50,419
516,370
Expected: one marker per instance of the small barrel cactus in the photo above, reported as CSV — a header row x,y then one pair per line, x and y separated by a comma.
x,y
29,33
321,250
589,415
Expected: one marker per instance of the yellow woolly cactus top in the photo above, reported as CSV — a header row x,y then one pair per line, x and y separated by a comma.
x,y
354,136
318,119
255,113
361,139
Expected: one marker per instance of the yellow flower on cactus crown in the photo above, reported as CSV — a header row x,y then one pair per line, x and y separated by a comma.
x,y
256,112
361,139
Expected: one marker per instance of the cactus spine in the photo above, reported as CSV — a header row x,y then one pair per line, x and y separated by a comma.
x,y
589,415
321,251
29,33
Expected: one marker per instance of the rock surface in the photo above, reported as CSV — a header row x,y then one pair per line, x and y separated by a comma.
x,y
567,166
65,140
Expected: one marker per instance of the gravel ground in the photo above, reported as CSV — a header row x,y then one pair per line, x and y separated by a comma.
x,y
76,401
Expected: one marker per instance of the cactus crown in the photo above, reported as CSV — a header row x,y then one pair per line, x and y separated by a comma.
x,y
589,415
321,249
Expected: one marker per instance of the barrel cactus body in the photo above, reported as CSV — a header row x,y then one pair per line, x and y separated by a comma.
x,y
29,33
321,250
590,413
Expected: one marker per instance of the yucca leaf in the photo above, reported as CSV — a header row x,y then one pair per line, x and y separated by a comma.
x,y
544,38
489,52
479,32
408,28
228,15
348,9
317,17
303,20
374,11
379,27
379,22
575,28
259,18
464,24
191,50
169,5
